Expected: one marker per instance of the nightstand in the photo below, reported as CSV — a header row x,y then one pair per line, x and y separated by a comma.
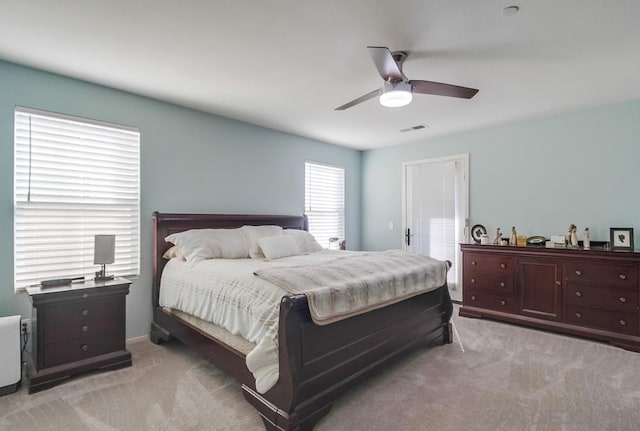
x,y
75,329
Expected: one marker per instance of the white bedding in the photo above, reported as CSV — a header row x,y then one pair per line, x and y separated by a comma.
x,y
347,287
225,292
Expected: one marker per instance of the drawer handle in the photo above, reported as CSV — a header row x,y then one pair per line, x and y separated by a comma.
x,y
473,263
623,299
85,295
558,283
622,277
579,315
503,302
85,312
578,272
84,347
473,297
502,284
623,322
473,280
503,266
85,328
578,293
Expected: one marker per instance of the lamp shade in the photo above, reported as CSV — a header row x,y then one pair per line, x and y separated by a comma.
x,y
396,94
104,249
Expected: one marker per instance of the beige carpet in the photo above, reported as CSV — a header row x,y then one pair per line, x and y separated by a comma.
x,y
494,377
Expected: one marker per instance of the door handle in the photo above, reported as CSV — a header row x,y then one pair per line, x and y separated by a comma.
x,y
408,236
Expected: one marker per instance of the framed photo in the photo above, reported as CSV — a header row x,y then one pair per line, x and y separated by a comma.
x,y
477,231
621,238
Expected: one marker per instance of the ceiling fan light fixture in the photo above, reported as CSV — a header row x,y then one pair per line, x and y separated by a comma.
x,y
395,94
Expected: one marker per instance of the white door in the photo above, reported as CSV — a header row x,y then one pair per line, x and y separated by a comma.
x,y
436,211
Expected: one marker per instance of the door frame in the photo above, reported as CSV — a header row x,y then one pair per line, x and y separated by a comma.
x,y
466,199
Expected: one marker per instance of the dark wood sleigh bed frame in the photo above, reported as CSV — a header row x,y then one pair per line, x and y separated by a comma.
x,y
317,363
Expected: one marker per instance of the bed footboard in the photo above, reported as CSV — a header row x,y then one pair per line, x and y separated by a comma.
x,y
319,363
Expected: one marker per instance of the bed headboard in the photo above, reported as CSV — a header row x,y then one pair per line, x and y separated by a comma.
x,y
165,224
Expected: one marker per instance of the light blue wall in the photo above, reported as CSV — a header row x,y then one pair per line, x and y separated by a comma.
x,y
190,162
538,175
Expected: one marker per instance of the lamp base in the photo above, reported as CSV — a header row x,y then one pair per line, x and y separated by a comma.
x,y
102,274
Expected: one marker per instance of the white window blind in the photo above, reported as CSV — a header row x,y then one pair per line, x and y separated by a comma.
x,y
73,179
324,202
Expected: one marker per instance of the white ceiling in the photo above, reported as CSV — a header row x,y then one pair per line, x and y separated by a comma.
x,y
286,64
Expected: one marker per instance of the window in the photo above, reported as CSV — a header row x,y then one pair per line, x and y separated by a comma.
x,y
73,179
324,202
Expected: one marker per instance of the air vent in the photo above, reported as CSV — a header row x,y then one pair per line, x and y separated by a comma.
x,y
412,128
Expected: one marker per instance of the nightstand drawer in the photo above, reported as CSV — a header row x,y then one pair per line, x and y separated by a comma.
x,y
479,298
64,322
622,276
600,297
81,348
624,323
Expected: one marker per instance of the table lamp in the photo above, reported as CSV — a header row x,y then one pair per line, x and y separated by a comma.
x,y
104,253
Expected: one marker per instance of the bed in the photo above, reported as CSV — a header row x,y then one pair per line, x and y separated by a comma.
x,y
316,363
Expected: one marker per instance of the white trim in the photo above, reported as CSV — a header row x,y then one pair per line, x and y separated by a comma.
x,y
138,339
331,165
75,118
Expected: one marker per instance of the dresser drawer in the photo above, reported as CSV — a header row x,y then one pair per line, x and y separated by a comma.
x,y
479,262
623,323
623,276
481,299
64,322
498,283
82,348
600,297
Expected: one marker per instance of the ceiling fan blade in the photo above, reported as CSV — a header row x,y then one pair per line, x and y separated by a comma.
x,y
440,89
360,99
386,65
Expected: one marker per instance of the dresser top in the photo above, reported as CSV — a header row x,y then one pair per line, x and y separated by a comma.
x,y
79,285
594,252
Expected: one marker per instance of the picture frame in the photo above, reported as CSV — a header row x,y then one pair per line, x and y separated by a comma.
x,y
477,231
621,238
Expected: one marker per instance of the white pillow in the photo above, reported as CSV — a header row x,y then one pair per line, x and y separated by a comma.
x,y
305,241
200,244
173,253
275,247
253,233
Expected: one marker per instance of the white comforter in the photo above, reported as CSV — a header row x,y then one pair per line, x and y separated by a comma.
x,y
225,292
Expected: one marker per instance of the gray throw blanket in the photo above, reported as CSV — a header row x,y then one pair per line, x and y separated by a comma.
x,y
356,284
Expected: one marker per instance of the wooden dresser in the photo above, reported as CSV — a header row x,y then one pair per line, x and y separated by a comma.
x,y
589,293
76,328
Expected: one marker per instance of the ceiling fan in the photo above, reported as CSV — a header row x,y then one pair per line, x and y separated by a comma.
x,y
397,89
